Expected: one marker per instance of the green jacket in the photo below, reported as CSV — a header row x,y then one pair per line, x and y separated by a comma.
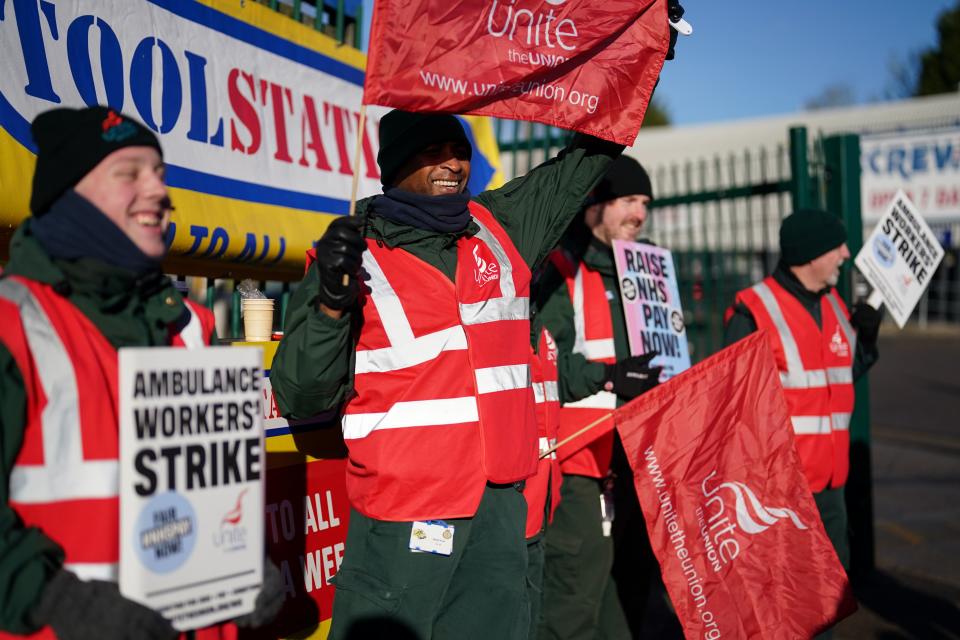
x,y
579,377
741,323
312,369
129,312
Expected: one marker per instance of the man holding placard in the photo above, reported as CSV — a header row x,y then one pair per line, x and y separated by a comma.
x,y
582,308
83,281
820,350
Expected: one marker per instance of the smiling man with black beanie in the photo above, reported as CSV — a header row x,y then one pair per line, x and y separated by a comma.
x,y
84,280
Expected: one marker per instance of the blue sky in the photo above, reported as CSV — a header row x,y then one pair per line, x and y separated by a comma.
x,y
750,58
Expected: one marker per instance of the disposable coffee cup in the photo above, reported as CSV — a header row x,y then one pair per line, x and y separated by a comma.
x,y
257,319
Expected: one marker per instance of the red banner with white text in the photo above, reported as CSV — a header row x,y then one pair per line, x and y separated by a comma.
x,y
586,66
739,539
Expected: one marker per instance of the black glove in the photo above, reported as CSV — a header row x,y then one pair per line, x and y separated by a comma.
x,y
674,13
866,320
269,600
633,376
339,254
78,610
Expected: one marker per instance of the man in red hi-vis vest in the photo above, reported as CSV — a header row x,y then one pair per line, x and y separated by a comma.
x,y
583,310
426,348
84,279
820,350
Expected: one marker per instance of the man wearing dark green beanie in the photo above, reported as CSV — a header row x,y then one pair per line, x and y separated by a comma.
x,y
84,280
820,350
414,322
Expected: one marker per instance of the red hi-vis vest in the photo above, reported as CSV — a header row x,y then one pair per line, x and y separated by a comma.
x,y
67,470
546,396
593,329
816,370
442,401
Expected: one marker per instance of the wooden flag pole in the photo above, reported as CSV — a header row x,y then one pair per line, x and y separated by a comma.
x,y
361,127
579,433
356,159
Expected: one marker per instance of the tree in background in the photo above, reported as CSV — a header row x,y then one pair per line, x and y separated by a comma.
x,y
657,115
940,66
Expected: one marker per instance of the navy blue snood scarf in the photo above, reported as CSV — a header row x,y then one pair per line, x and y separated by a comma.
x,y
443,214
74,228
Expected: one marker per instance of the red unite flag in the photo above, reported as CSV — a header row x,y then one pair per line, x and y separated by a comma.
x,y
577,64
741,547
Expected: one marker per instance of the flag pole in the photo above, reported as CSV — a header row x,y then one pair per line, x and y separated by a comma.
x,y
356,159
361,127
579,433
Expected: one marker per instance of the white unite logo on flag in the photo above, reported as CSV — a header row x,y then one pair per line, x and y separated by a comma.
x,y
486,271
718,529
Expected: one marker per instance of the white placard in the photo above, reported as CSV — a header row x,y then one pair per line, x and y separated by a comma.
x,y
900,257
191,481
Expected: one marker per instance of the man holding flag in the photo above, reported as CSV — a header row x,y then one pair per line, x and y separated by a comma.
x,y
430,360
820,351
584,311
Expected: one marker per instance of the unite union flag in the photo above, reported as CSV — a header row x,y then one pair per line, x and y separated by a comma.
x,y
577,64
739,539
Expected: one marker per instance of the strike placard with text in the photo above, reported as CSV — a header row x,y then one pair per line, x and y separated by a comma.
x,y
191,481
651,304
900,257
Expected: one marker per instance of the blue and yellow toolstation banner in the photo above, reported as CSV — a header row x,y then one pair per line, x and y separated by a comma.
x,y
257,114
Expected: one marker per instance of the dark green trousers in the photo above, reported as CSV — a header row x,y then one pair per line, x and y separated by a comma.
x,y
384,590
535,554
579,595
833,514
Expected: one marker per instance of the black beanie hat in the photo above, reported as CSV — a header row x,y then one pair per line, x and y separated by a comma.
x,y
808,234
402,134
625,177
71,142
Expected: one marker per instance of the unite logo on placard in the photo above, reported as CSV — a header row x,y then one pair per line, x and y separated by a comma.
x,y
232,535
719,531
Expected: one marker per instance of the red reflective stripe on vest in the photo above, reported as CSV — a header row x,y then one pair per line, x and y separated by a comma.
x,y
442,399
595,341
543,376
816,371
70,380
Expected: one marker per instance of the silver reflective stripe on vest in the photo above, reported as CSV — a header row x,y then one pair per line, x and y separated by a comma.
x,y
545,392
65,475
840,375
599,400
841,421
598,349
503,378
417,413
544,444
810,425
790,351
848,331
109,571
405,349
508,306
192,334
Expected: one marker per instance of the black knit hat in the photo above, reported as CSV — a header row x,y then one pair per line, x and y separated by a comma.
x,y
71,142
809,233
625,177
402,134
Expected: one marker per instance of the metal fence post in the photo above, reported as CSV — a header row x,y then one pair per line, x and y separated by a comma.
x,y
842,163
800,193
